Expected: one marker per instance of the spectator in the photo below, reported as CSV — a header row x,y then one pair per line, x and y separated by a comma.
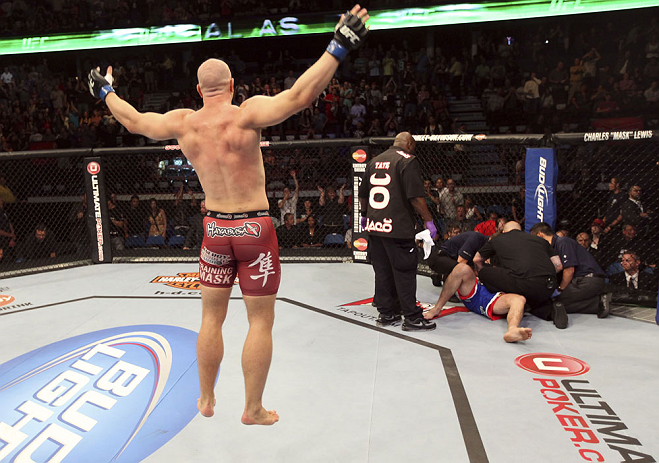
x,y
612,215
117,224
288,234
357,112
450,199
7,234
473,211
576,77
79,233
135,218
182,212
584,241
519,206
596,234
288,204
289,80
632,209
607,106
589,62
631,277
195,234
5,193
332,209
41,245
7,77
311,235
490,226
532,94
615,246
652,93
462,221
157,219
306,212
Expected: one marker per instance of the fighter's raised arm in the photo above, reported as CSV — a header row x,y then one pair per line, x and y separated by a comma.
x,y
264,111
153,125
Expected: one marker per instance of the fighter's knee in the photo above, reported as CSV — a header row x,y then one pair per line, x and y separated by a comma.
x,y
462,269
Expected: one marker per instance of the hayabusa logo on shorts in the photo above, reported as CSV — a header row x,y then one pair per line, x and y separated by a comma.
x,y
252,229
112,395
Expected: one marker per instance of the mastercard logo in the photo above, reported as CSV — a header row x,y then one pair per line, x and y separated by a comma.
x,y
360,244
552,364
359,156
6,299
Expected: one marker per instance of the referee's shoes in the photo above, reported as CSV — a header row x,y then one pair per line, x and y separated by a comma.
x,y
418,324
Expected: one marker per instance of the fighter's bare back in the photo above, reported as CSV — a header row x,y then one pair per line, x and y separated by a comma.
x,y
226,157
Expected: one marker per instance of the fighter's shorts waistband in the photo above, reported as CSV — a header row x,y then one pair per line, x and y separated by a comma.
x,y
237,215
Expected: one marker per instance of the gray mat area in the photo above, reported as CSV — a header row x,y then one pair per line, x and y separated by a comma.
x,y
348,392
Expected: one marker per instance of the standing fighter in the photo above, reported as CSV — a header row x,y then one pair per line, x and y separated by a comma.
x,y
392,185
222,143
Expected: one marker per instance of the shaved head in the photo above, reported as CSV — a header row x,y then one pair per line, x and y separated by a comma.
x,y
214,77
512,225
406,141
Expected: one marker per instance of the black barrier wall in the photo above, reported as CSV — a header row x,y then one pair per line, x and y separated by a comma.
x,y
151,201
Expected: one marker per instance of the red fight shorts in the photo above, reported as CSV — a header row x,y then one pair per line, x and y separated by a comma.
x,y
242,244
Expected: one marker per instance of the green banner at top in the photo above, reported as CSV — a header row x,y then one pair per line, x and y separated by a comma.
x,y
312,24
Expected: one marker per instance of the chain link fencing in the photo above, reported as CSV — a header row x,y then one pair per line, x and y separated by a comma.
x,y
152,201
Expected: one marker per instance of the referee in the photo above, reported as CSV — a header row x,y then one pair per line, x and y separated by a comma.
x,y
391,189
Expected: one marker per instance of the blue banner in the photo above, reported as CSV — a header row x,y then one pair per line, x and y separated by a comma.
x,y
541,180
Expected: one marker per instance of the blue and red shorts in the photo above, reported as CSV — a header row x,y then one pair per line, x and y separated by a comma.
x,y
244,244
481,301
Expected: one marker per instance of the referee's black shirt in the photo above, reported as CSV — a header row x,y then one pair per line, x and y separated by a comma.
x,y
390,181
522,254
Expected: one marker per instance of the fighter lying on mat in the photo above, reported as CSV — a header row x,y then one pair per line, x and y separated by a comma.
x,y
478,299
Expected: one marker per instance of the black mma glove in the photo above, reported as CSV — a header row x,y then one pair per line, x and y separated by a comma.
x,y
100,86
349,34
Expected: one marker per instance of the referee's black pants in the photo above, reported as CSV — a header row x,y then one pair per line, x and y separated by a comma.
x,y
582,295
441,262
394,262
537,290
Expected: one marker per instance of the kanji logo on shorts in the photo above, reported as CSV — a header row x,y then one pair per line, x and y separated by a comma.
x,y
93,168
552,364
264,262
252,229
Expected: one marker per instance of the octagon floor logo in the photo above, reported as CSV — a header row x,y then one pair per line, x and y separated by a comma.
x,y
111,395
552,364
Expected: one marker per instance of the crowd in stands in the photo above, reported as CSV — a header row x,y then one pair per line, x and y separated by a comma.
x,y
545,77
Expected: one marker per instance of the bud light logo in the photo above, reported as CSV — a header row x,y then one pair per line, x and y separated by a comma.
x,y
111,395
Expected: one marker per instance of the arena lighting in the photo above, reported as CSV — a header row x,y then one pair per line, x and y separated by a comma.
x,y
313,24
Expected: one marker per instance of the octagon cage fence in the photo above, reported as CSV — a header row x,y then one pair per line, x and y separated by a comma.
x,y
65,208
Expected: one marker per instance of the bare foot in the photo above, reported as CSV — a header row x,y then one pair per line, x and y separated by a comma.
x,y
206,409
432,313
264,417
517,334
